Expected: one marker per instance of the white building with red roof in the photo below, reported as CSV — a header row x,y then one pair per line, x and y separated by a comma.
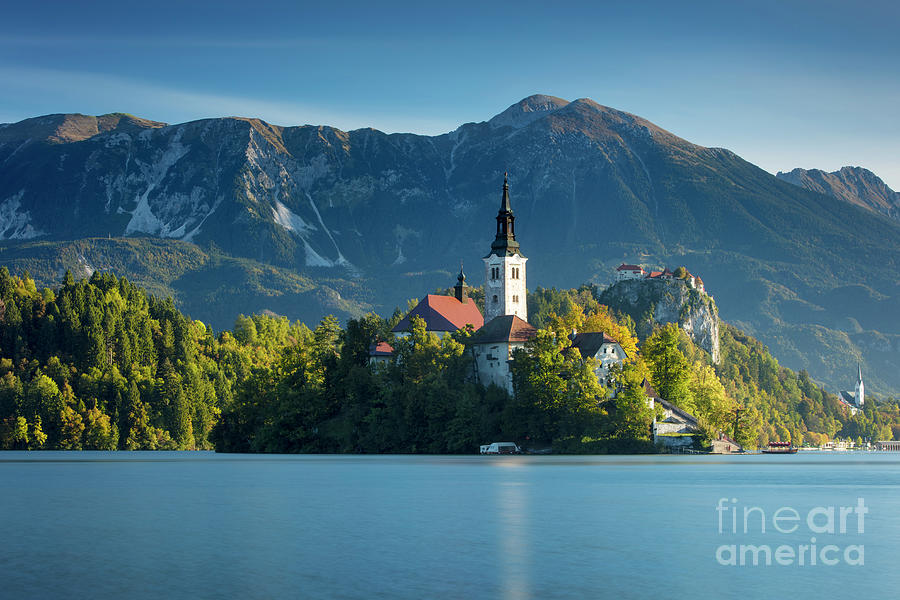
x,y
380,353
625,271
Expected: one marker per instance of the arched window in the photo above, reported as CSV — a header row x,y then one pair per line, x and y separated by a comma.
x,y
495,299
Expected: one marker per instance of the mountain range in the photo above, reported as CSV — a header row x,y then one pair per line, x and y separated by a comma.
x,y
853,184
236,215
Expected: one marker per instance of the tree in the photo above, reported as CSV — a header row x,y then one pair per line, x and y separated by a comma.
x,y
632,416
710,400
556,393
669,369
99,434
14,433
180,425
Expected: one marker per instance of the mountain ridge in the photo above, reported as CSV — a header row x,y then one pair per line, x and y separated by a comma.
x,y
394,213
856,185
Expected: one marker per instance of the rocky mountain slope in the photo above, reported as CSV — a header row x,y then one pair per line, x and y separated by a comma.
x,y
371,219
663,301
853,184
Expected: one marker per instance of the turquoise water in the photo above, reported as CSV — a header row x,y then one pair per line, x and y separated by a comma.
x,y
201,525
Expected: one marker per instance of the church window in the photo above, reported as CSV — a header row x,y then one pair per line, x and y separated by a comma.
x,y
495,299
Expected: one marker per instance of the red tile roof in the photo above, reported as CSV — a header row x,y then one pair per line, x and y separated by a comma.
x,y
654,274
506,328
443,313
625,267
381,349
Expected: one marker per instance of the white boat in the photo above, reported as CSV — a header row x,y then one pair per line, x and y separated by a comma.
x,y
501,448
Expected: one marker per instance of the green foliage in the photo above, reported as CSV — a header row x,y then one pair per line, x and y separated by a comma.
x,y
99,364
631,416
556,393
670,370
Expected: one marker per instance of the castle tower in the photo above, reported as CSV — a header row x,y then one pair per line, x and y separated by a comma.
x,y
860,387
504,268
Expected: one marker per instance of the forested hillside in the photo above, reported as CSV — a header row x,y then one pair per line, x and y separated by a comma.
x,y
100,364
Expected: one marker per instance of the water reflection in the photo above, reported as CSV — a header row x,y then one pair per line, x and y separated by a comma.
x,y
515,547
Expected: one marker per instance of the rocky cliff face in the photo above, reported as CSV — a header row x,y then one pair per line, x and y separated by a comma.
x,y
669,301
852,184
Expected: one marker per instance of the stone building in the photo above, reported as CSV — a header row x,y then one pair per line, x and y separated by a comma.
x,y
492,347
604,349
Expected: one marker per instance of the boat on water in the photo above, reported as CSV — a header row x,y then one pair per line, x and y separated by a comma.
x,y
780,448
501,448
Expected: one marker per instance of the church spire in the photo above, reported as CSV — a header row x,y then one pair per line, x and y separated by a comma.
x,y
504,205
461,290
858,373
505,243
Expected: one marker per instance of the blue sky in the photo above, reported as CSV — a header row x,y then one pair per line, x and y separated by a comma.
x,y
783,84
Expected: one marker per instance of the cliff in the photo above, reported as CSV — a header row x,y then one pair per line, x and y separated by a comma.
x,y
664,301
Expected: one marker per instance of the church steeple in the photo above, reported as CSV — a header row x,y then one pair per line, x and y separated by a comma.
x,y
505,243
504,268
461,290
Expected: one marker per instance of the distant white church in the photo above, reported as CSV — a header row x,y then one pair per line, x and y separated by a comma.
x,y
857,398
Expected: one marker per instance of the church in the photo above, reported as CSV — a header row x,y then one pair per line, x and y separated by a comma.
x,y
504,326
857,398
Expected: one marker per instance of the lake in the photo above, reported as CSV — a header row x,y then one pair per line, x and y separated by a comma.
x,y
202,525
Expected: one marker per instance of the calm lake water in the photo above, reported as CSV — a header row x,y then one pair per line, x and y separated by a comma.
x,y
201,525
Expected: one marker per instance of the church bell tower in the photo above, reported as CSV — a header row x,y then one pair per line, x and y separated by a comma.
x,y
504,267
860,387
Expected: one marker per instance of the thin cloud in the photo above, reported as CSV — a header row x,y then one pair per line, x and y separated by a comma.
x,y
97,93
136,41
